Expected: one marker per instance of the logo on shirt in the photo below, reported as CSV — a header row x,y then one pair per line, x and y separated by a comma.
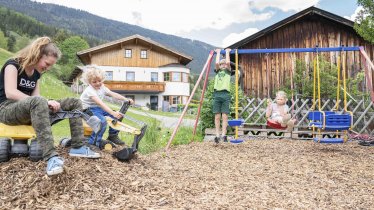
x,y
26,83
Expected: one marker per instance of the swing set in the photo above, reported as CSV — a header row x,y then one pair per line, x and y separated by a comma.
x,y
320,120
330,120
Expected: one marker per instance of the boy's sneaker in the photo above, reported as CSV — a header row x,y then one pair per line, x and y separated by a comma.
x,y
55,165
115,139
224,139
216,139
84,151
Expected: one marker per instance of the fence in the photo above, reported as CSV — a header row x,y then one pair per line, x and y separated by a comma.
x,y
253,112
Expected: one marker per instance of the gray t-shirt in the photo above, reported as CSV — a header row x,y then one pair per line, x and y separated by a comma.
x,y
89,92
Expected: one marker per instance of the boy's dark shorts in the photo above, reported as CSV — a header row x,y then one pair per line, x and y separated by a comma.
x,y
221,102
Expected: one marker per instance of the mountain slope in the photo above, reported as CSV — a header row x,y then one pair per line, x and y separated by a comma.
x,y
84,23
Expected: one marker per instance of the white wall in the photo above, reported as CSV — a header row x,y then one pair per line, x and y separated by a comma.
x,y
144,75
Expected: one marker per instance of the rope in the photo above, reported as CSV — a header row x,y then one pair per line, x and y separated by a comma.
x,y
338,89
236,90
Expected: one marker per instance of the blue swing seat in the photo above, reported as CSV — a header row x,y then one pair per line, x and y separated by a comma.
x,y
237,122
330,120
329,140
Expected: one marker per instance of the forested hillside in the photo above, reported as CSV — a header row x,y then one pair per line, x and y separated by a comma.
x,y
89,25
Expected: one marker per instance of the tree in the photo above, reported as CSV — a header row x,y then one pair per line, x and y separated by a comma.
x,y
365,20
11,43
69,47
60,36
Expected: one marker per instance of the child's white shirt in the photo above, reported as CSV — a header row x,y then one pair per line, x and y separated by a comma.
x,y
276,110
89,92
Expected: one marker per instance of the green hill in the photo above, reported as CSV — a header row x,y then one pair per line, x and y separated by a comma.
x,y
4,55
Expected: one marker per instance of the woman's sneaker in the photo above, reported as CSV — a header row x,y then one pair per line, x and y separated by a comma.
x,y
84,151
55,165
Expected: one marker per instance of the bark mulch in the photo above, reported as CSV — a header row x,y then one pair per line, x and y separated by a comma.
x,y
258,174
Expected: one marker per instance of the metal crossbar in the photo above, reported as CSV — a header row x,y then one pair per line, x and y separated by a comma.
x,y
294,50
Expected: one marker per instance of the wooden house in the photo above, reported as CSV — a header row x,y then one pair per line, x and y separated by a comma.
x,y
137,67
307,29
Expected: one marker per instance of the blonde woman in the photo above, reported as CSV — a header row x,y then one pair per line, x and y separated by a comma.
x,y
21,103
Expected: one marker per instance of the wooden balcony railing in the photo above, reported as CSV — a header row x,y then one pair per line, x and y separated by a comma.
x,y
135,86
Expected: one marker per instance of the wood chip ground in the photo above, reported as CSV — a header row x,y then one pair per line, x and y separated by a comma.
x,y
258,174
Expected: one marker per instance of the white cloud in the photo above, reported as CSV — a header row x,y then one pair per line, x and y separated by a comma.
x,y
354,15
284,5
234,37
181,17
171,16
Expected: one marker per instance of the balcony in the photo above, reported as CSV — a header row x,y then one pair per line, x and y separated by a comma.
x,y
135,87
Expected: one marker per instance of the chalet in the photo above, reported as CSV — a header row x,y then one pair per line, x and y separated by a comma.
x,y
137,67
307,29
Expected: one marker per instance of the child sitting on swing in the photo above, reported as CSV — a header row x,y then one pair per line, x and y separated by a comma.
x,y
278,112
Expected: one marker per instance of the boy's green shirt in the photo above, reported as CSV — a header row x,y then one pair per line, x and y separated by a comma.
x,y
222,80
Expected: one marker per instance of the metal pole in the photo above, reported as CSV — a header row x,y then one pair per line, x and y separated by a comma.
x,y
202,98
189,100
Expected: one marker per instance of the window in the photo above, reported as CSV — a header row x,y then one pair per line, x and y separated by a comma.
x,y
154,77
108,75
176,100
166,98
130,76
128,53
167,76
176,76
143,54
184,77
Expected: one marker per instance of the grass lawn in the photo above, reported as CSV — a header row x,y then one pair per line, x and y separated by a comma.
x,y
4,55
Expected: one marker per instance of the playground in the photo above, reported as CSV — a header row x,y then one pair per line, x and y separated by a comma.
x,y
261,173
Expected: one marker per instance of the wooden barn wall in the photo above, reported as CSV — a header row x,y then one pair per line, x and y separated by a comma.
x,y
300,34
116,57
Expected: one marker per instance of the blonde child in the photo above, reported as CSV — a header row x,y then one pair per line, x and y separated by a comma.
x,y
92,100
278,112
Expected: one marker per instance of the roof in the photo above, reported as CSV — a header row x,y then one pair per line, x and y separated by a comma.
x,y
307,12
185,59
173,65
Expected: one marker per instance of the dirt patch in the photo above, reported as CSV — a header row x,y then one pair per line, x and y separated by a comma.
x,y
257,174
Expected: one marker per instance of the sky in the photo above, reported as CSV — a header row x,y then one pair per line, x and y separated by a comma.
x,y
216,22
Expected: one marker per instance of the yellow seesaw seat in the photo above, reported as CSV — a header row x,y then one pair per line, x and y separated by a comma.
x,y
17,131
